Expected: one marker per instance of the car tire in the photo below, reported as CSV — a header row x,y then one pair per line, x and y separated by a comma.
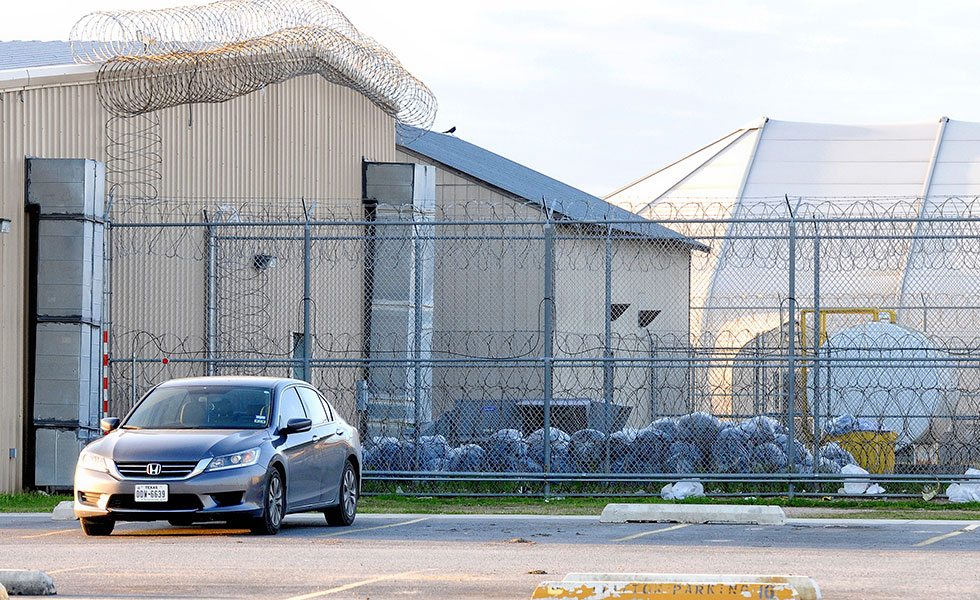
x,y
274,505
344,512
96,526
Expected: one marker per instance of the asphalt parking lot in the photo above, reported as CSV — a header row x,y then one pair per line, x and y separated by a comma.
x,y
484,556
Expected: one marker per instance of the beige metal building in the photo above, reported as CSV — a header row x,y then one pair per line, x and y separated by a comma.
x,y
488,298
308,138
305,137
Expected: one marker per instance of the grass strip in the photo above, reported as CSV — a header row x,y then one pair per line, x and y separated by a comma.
x,y
833,508
30,502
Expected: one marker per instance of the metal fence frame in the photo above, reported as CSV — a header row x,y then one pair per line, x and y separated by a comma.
x,y
427,232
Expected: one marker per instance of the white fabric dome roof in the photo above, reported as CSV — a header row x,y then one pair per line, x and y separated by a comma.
x,y
877,172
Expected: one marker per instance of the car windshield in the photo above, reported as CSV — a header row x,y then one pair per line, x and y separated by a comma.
x,y
203,407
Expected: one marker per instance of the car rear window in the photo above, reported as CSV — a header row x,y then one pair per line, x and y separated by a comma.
x,y
203,407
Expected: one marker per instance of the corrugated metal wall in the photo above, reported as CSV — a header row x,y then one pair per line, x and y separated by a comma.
x,y
488,296
303,138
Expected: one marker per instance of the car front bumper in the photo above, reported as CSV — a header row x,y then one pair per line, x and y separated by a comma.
x,y
210,495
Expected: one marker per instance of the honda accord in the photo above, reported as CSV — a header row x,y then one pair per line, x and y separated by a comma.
x,y
244,450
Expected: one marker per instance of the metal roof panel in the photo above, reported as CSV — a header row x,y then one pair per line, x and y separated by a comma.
x,y
23,54
528,184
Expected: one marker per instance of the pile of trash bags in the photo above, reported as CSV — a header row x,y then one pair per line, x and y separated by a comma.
x,y
698,442
848,423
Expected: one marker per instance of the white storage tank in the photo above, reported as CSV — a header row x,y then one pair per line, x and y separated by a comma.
x,y
890,375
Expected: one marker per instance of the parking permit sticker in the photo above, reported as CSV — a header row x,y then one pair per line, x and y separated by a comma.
x,y
260,419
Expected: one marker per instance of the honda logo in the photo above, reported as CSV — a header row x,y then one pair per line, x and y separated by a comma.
x,y
153,469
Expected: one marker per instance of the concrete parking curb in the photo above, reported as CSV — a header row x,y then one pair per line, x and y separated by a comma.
x,y
20,582
692,513
65,511
593,586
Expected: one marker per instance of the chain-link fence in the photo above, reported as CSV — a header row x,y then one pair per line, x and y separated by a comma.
x,y
769,346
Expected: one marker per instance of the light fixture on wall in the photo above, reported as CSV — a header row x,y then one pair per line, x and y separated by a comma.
x,y
261,262
4,225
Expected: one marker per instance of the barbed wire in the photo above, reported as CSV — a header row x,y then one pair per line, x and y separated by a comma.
x,y
720,347
157,59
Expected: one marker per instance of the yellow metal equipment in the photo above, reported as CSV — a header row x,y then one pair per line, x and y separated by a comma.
x,y
874,451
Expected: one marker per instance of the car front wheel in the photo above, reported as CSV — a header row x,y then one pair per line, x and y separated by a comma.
x,y
96,526
344,512
274,505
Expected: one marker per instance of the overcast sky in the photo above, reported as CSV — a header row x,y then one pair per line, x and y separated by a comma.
x,y
598,94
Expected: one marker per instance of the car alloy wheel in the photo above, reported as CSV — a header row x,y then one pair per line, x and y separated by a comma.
x,y
274,501
349,494
343,513
275,505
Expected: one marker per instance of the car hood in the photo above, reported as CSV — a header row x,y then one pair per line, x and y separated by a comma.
x,y
174,445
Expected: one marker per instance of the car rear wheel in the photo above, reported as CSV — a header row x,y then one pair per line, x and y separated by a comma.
x,y
344,512
96,526
274,505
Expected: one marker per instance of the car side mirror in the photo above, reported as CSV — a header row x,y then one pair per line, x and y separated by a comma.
x,y
108,424
297,426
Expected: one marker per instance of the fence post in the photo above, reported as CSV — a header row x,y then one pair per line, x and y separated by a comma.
x,y
307,300
791,356
417,341
817,330
549,303
132,378
607,366
212,299
107,307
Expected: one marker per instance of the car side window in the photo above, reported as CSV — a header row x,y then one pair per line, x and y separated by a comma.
x,y
314,408
331,415
290,407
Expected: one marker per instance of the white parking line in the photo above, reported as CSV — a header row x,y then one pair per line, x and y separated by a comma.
x,y
350,531
356,584
637,535
946,536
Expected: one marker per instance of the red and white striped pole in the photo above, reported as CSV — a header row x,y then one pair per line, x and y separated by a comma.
x,y
105,373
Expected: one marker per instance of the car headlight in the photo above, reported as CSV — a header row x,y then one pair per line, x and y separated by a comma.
x,y
238,459
94,462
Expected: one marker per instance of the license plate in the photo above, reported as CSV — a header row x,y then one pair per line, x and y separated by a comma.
x,y
152,493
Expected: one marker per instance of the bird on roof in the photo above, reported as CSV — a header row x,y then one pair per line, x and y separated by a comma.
x,y
451,130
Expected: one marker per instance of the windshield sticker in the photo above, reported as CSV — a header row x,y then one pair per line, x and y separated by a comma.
x,y
260,419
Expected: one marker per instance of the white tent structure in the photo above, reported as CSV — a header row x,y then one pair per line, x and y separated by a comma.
x,y
875,172
895,208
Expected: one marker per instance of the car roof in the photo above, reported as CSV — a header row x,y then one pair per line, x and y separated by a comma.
x,y
236,380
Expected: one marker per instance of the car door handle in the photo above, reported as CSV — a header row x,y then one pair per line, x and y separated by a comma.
x,y
316,438
338,432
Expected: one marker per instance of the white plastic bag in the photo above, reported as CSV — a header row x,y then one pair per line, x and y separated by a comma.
x,y
681,490
964,492
855,486
858,486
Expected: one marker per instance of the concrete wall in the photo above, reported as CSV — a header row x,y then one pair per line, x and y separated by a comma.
x,y
68,361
